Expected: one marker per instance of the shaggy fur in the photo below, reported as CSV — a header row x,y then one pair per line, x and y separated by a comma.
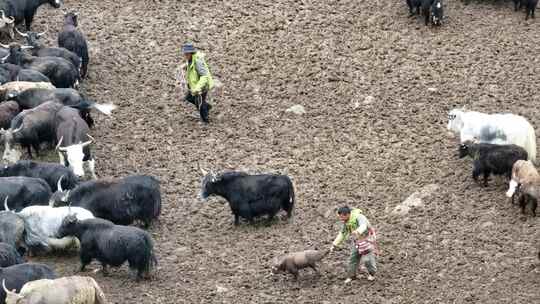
x,y
121,200
72,39
111,244
17,275
49,172
492,159
8,111
9,255
250,196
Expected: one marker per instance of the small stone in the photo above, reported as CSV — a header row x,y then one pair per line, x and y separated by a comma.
x,y
432,90
486,225
415,200
297,109
221,289
369,99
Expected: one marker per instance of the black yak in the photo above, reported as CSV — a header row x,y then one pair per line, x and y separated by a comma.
x,y
111,244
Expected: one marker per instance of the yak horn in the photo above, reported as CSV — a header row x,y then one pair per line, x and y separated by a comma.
x,y
204,172
18,129
20,33
86,143
6,46
6,207
59,186
26,47
43,33
59,142
4,286
7,20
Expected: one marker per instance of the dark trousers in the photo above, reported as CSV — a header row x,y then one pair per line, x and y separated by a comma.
x,y
200,102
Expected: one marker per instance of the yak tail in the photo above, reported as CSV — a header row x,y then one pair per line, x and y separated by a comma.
x,y
530,144
150,262
100,296
104,108
292,198
34,238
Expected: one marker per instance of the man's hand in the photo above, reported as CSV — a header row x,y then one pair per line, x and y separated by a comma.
x,y
195,93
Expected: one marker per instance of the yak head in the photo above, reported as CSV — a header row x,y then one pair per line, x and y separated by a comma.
x,y
519,170
69,226
463,150
208,181
437,12
71,19
55,3
8,24
455,121
513,187
60,197
16,54
11,155
73,156
32,38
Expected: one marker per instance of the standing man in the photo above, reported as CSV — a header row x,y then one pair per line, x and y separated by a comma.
x,y
199,80
363,250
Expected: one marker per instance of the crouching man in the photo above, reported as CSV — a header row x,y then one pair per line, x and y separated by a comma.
x,y
363,249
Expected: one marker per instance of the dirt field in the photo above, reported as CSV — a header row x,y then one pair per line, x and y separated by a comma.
x,y
467,245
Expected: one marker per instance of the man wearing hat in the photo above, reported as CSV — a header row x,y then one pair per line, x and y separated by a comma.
x,y
363,250
199,80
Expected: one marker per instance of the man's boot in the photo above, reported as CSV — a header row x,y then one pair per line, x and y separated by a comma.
x,y
204,111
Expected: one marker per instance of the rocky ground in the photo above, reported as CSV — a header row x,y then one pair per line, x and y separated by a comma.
x,y
376,87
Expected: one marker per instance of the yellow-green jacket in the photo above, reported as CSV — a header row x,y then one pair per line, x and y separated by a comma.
x,y
357,221
198,74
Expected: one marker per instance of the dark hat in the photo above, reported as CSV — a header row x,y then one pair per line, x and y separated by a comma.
x,y
188,48
344,210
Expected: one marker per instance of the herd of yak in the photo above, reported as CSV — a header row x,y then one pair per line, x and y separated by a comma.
x,y
47,207
433,10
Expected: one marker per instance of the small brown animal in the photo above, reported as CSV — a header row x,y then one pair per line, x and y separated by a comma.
x,y
294,261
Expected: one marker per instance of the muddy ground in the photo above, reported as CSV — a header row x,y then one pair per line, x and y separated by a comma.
x,y
467,245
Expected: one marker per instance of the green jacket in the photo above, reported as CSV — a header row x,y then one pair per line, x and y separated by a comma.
x,y
198,75
357,221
